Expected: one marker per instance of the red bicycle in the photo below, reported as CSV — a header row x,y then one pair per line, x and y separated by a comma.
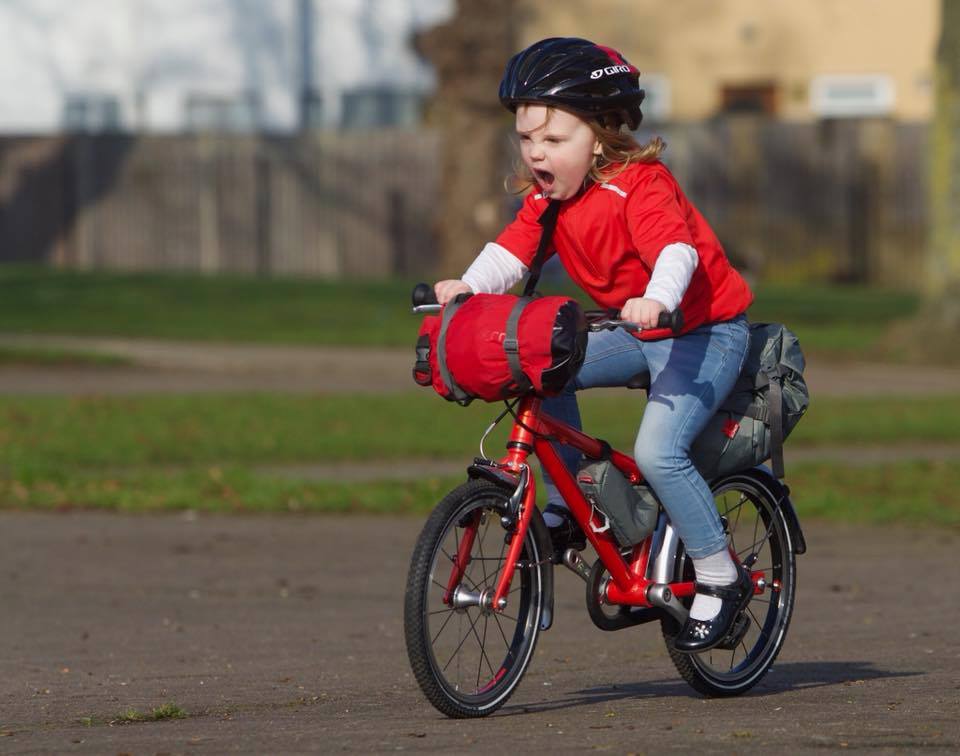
x,y
480,586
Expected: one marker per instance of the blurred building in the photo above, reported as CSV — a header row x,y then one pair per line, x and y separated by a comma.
x,y
161,66
797,61
237,135
799,128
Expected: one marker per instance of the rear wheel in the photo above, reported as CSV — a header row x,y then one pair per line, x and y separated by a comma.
x,y
762,540
468,659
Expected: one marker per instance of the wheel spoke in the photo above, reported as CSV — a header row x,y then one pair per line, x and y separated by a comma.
x,y
739,508
466,575
467,671
442,628
756,526
754,617
456,651
483,562
752,548
483,650
757,534
503,635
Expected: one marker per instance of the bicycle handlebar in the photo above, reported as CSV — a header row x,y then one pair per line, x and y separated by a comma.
x,y
424,300
423,295
607,320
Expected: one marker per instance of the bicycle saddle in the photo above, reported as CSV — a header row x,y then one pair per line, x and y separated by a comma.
x,y
640,381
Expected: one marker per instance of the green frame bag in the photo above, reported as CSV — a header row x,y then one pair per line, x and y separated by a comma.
x,y
629,511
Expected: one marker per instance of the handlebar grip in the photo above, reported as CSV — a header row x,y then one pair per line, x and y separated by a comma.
x,y
423,294
672,320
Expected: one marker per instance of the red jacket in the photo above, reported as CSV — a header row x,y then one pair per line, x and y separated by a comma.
x,y
609,237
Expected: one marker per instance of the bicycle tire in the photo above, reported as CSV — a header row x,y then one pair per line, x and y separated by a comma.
x,y
485,674
717,672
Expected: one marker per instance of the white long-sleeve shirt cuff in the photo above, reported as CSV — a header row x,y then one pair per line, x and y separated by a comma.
x,y
495,271
671,274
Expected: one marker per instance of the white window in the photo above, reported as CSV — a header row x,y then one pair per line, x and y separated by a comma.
x,y
370,107
850,96
656,104
223,113
91,113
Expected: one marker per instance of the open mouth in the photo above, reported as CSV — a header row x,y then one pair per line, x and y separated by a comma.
x,y
544,178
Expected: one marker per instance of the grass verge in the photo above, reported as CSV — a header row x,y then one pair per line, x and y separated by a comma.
x,y
842,321
163,453
917,493
45,434
220,489
10,355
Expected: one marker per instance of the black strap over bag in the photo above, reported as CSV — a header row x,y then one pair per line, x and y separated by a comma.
x,y
548,220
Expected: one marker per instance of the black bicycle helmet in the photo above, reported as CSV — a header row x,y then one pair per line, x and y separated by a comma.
x,y
591,80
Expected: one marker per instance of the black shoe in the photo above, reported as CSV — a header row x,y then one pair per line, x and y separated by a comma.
x,y
701,635
566,535
739,629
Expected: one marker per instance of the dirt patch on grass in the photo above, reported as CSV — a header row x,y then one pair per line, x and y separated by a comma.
x,y
169,366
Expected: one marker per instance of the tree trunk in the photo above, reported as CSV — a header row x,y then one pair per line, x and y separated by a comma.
x,y
942,293
469,54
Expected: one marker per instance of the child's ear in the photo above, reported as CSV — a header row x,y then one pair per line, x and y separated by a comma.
x,y
597,148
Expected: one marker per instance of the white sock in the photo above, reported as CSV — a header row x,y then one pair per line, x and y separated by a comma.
x,y
716,569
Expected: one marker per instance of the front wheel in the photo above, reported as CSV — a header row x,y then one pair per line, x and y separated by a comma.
x,y
468,659
762,539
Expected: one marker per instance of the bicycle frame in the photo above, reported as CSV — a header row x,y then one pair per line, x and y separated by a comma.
x,y
534,433
650,581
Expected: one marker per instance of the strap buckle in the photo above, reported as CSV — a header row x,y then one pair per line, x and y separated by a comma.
x,y
601,514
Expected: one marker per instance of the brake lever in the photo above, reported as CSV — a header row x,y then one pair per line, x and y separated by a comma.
x,y
613,324
672,320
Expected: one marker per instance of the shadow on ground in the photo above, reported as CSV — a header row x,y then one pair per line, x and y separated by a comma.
x,y
785,677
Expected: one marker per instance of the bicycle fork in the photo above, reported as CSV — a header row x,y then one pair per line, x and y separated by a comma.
x,y
516,522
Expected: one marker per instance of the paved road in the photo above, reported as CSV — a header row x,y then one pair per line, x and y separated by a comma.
x,y
283,634
161,366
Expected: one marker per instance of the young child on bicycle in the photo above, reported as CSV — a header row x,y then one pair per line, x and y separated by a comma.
x,y
628,236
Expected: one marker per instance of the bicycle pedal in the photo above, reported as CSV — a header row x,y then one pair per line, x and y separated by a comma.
x,y
739,629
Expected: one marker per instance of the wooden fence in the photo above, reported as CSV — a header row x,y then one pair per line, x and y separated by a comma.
x,y
326,205
835,200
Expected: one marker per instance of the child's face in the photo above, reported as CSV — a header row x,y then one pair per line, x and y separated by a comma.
x,y
557,147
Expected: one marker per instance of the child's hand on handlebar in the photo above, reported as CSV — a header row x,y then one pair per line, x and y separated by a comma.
x,y
447,290
644,312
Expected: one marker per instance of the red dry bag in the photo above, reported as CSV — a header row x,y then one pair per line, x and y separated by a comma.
x,y
497,346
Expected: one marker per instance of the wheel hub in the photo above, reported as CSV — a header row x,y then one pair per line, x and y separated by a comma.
x,y
464,598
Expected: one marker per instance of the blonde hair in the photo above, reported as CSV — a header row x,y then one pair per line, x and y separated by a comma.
x,y
618,149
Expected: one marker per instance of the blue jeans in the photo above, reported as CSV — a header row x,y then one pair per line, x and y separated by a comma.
x,y
690,377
